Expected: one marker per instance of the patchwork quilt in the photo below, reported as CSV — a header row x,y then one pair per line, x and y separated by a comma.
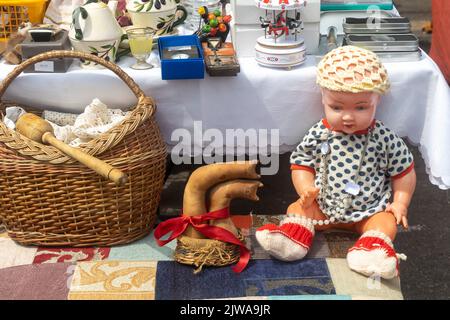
x,y
143,270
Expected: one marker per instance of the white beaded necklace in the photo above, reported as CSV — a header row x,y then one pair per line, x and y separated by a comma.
x,y
352,188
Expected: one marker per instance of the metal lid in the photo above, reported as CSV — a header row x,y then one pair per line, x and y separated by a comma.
x,y
355,5
389,57
384,42
377,25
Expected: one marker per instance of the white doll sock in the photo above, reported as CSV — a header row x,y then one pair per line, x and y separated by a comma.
x,y
374,255
288,242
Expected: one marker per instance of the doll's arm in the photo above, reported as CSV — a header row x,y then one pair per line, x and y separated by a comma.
x,y
403,189
303,181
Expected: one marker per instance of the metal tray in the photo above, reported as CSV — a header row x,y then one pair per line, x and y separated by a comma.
x,y
384,42
400,56
376,25
356,5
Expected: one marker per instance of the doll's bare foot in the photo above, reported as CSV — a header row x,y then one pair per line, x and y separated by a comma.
x,y
308,196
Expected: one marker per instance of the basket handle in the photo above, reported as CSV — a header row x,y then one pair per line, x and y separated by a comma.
x,y
72,54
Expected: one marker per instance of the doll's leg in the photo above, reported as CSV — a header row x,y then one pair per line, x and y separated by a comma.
x,y
373,253
292,239
383,222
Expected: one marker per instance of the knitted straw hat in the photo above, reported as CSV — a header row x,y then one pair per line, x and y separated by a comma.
x,y
352,69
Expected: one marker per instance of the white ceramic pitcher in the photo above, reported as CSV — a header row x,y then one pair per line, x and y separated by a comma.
x,y
95,30
160,15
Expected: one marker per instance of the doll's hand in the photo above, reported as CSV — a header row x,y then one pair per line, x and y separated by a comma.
x,y
306,205
308,196
400,211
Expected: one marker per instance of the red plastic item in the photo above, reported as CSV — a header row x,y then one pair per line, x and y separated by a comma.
x,y
440,44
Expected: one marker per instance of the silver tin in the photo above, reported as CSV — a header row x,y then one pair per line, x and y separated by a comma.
x,y
376,25
384,42
400,56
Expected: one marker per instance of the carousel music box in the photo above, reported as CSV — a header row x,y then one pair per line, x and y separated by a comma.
x,y
281,46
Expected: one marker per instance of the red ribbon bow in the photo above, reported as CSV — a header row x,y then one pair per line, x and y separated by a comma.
x,y
178,225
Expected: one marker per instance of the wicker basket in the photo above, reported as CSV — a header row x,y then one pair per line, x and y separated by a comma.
x,y
47,198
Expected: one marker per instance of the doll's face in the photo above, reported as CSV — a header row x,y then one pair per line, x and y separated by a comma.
x,y
349,112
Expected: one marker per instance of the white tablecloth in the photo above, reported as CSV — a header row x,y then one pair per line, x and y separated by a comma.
x,y
417,107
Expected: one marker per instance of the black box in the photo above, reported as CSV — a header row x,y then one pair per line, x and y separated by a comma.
x,y
30,48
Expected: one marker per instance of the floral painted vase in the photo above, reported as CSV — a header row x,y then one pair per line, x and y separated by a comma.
x,y
95,30
160,15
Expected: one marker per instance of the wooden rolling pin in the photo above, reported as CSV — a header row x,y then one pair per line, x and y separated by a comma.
x,y
37,129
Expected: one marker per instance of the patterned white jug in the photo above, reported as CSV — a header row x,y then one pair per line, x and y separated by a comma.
x,y
160,15
95,30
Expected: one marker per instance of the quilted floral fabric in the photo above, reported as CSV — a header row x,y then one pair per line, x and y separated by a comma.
x,y
143,270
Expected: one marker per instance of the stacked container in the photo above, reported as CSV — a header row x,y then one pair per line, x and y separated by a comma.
x,y
390,38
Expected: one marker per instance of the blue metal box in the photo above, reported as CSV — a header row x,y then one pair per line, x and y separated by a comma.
x,y
191,68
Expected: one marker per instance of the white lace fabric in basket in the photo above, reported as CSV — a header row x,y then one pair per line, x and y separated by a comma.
x,y
72,129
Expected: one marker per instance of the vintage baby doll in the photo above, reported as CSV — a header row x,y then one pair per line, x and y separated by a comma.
x,y
346,169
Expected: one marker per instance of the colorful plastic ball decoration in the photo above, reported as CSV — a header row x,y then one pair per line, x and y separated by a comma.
x,y
222,27
217,13
206,28
227,19
201,11
211,16
213,23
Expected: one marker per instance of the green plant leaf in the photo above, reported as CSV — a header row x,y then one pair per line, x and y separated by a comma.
x,y
107,46
149,6
84,13
138,6
78,34
93,49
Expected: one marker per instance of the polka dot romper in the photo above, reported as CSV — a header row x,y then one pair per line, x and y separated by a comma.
x,y
387,157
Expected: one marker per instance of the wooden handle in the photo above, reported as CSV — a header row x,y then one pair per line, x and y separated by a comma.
x,y
99,166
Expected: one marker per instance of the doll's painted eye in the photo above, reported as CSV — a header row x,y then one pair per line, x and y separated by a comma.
x,y
361,108
336,108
